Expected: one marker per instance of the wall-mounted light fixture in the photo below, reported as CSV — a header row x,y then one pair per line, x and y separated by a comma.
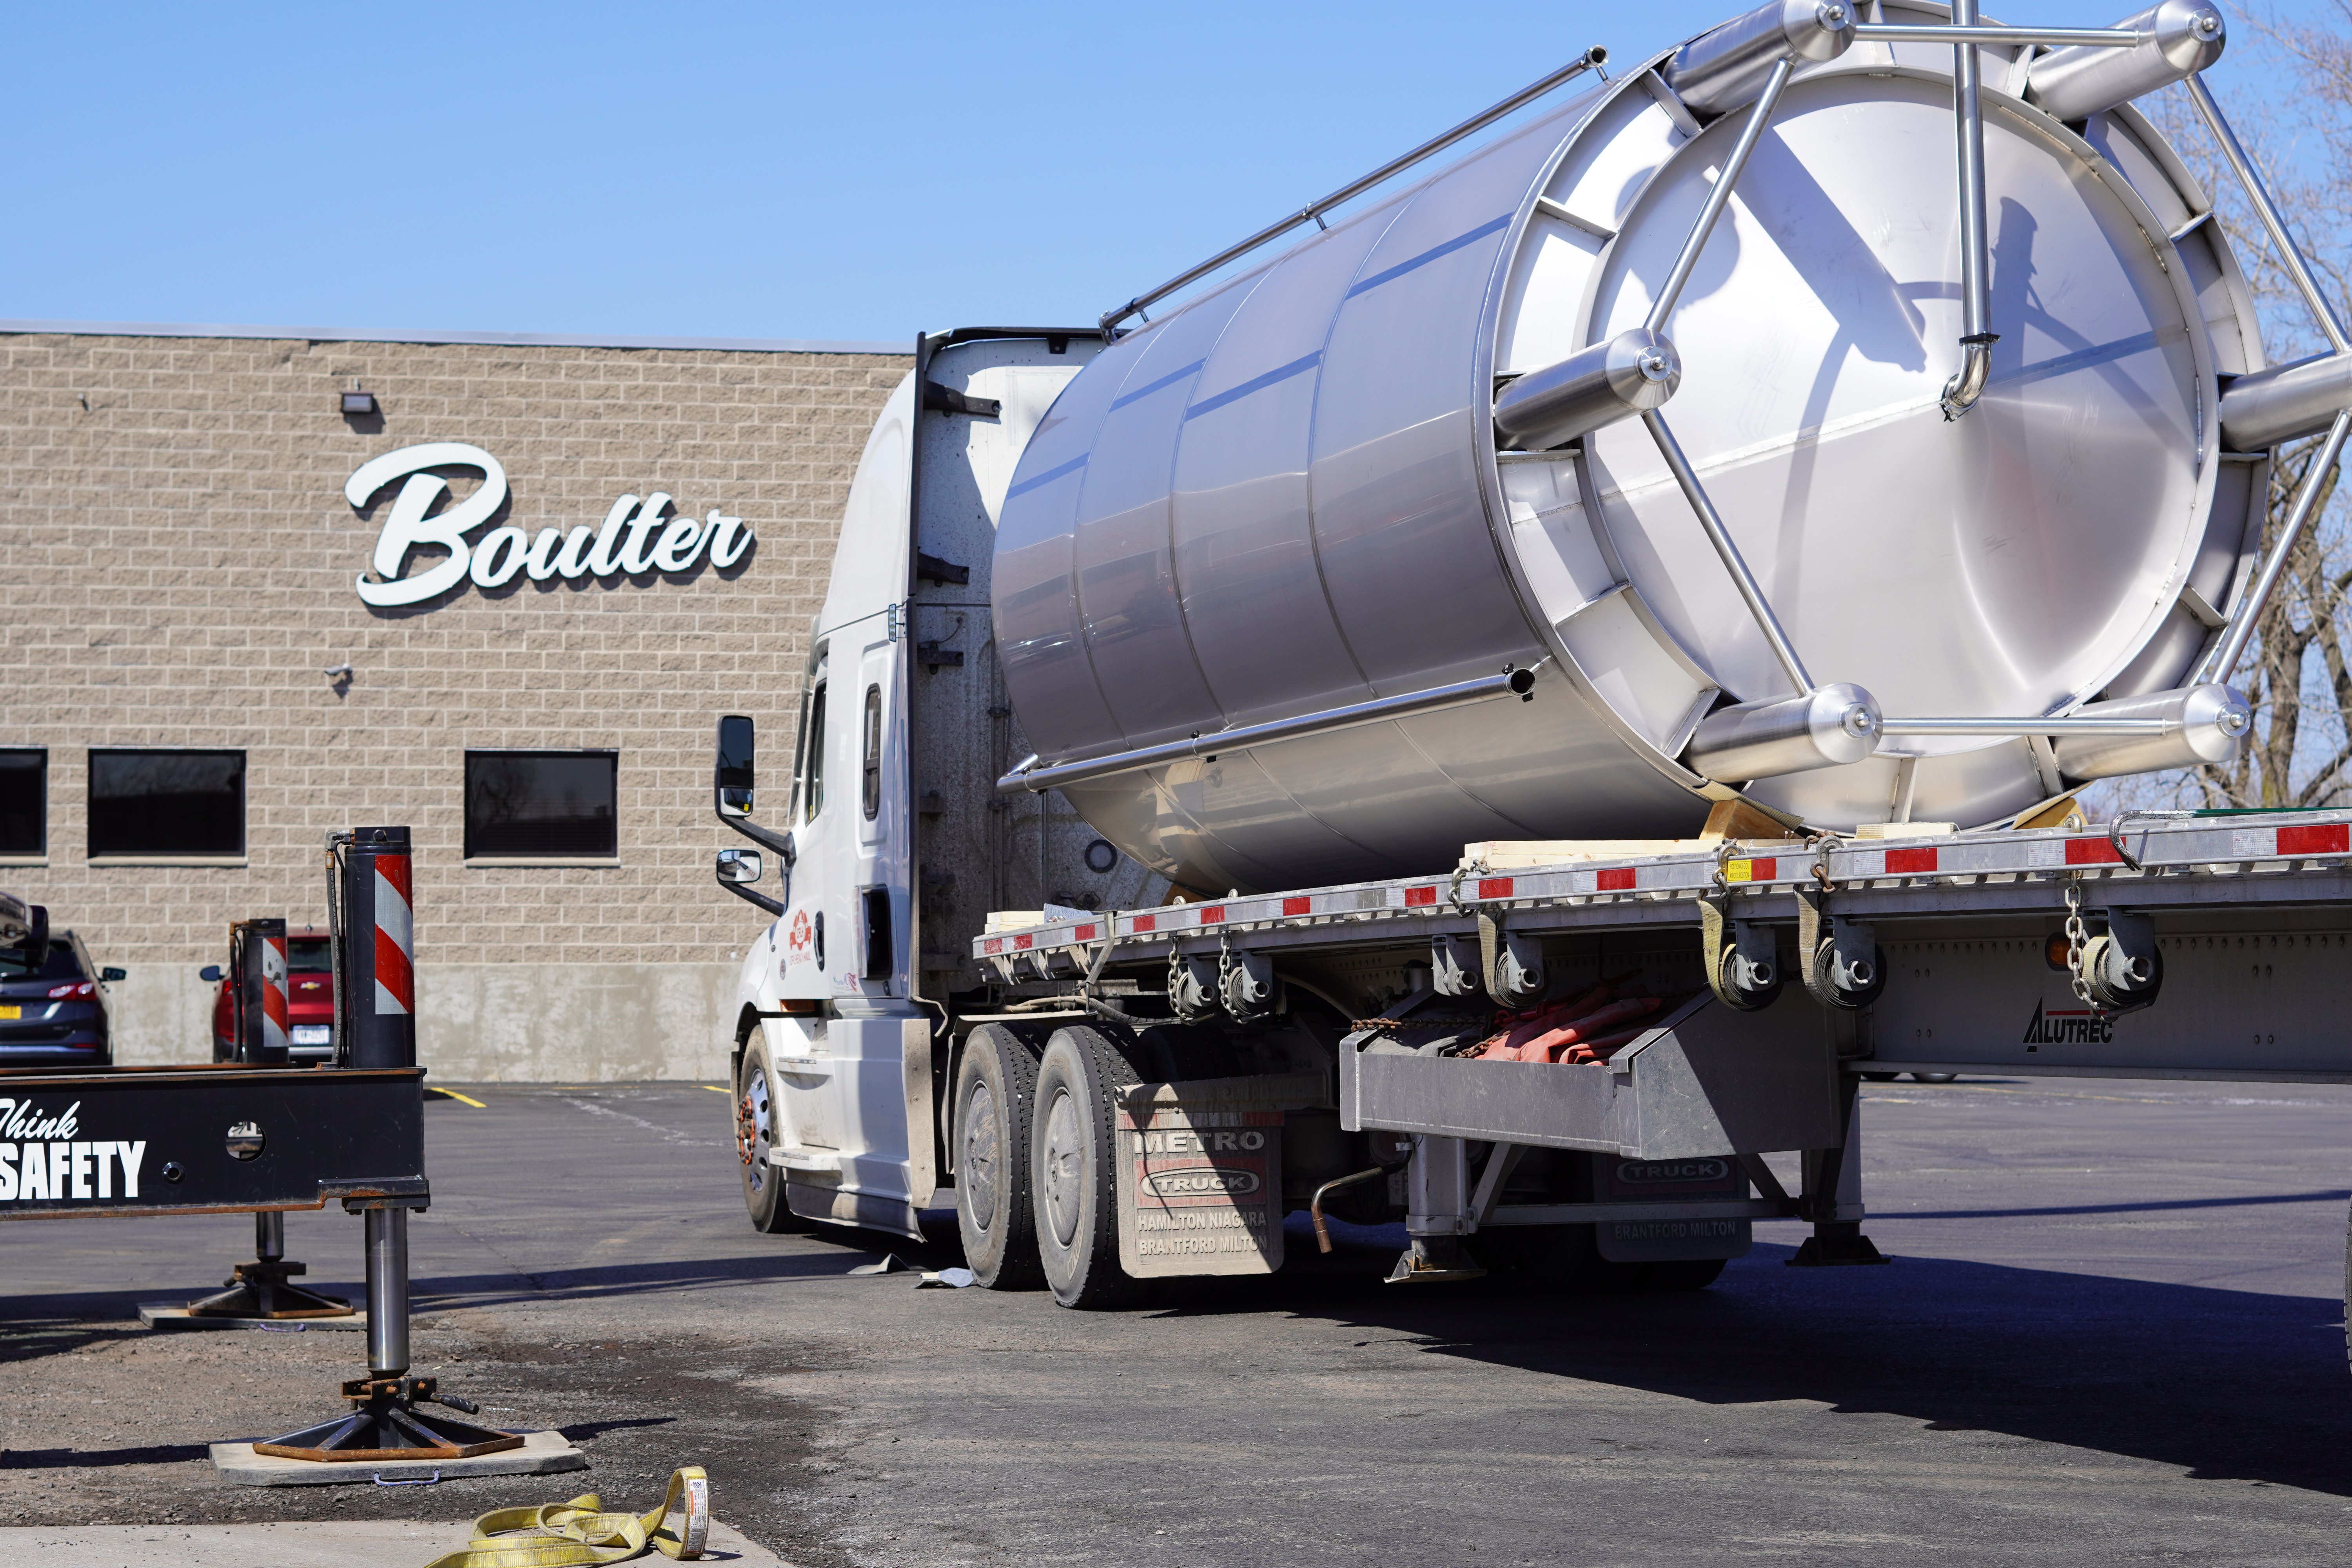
x,y
358,405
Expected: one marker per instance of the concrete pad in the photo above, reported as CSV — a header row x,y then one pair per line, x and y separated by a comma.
x,y
339,1544
541,1454
174,1315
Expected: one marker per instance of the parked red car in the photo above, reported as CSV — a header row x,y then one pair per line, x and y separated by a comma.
x,y
309,996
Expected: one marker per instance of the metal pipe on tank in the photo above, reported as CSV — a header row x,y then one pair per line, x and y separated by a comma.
x,y
1637,370
1825,728
1991,33
1631,374
1518,683
1718,197
2177,39
2287,401
1977,336
1591,59
1726,69
1751,591
2241,631
2202,725
2314,299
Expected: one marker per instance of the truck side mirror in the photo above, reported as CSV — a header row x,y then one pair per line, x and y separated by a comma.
x,y
210,972
731,770
739,865
110,974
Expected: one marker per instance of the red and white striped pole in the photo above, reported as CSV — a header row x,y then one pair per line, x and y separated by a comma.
x,y
379,942
275,1003
259,949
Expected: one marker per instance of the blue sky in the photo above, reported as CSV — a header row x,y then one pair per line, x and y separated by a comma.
x,y
735,170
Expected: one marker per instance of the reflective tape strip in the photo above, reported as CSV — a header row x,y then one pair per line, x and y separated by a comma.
x,y
274,1003
395,939
2320,839
2093,852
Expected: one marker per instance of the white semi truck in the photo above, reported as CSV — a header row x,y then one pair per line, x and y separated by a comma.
x,y
1379,735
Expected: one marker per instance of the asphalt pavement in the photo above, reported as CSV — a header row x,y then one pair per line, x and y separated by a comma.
x,y
2111,1332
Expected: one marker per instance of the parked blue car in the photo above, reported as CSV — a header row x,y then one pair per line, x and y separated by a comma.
x,y
57,1016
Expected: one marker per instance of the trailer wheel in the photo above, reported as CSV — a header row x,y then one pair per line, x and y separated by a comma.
x,y
1074,1168
756,1113
996,1086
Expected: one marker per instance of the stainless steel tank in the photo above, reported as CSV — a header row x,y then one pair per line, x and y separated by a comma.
x,y
1289,494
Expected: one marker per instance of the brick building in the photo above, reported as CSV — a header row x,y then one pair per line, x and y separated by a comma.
x,y
180,568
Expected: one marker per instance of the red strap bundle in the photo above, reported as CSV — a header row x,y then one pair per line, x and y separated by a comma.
x,y
1534,1036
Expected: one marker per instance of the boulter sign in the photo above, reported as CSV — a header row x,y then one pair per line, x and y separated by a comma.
x,y
639,534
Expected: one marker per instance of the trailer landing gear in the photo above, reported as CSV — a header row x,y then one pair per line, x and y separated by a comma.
x,y
384,1422
1833,1199
259,1288
1434,1260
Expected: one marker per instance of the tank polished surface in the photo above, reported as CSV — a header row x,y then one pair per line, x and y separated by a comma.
x,y
1288,494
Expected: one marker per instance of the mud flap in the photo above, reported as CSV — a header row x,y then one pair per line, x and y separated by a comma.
x,y
1617,1180
1200,1173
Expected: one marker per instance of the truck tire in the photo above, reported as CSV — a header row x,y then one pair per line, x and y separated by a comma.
x,y
756,1114
1074,1168
995,1090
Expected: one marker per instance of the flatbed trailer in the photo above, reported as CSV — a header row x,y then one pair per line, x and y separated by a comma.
x,y
2223,937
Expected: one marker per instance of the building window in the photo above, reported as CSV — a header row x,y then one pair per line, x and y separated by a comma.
x,y
543,806
144,803
23,800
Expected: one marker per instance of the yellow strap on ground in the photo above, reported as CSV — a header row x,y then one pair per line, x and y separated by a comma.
x,y
581,1534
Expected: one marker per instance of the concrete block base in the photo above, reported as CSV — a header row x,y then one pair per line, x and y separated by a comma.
x,y
174,1315
541,1454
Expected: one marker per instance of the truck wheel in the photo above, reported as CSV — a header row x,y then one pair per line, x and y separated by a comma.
x,y
996,1088
756,1114
1074,1168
